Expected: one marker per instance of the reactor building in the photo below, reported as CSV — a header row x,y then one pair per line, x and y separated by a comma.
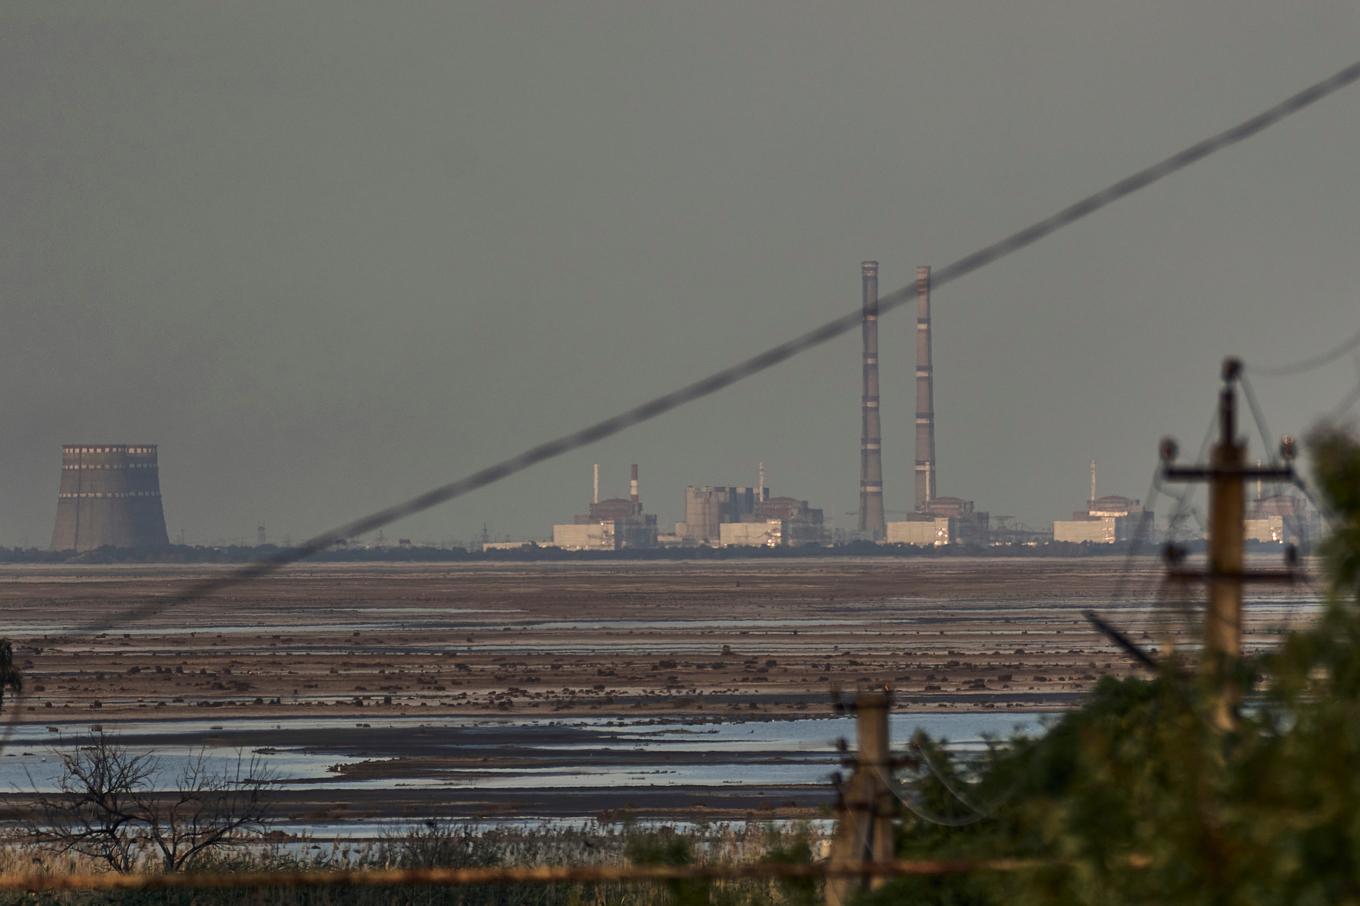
x,y
1106,520
110,496
747,517
1282,518
614,524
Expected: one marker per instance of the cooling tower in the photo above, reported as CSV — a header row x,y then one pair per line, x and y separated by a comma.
x,y
110,496
871,518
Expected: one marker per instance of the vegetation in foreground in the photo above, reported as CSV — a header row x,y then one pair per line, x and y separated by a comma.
x,y
439,844
1139,800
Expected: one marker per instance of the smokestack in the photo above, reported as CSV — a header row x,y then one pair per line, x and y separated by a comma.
x,y
1093,482
595,495
633,485
110,496
760,483
871,519
925,395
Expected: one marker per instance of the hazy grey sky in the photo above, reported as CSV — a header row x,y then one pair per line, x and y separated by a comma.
x,y
328,254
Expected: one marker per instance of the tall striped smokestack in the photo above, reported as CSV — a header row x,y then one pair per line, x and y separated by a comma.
x,y
595,495
871,520
633,485
925,395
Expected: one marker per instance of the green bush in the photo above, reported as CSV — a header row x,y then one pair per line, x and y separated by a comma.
x,y
1138,799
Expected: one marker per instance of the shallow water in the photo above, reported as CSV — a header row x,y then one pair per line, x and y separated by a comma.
x,y
798,752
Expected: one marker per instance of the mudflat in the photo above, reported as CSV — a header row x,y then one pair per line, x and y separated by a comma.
x,y
479,689
732,638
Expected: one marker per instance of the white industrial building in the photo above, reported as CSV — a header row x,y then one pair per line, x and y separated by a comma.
x,y
587,536
766,533
923,532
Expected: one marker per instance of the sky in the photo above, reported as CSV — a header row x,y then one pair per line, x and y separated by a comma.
x,y
330,254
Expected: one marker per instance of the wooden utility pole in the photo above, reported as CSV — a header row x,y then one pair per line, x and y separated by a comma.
x,y
1226,474
864,830
9,674
1227,539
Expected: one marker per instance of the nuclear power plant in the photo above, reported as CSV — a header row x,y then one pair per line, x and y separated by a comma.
x,y
1106,520
110,496
747,517
614,524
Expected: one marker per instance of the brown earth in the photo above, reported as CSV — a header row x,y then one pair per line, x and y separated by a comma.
x,y
768,638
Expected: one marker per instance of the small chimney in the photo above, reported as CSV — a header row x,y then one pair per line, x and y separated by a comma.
x,y
633,485
1093,482
595,496
760,483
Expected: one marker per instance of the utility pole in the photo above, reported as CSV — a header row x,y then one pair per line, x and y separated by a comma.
x,y
9,674
1226,475
866,806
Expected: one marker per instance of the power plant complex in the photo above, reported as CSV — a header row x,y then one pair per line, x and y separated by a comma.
x,y
614,524
745,516
110,496
748,516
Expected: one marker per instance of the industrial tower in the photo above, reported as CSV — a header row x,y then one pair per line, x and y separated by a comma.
x,y
110,496
871,516
925,395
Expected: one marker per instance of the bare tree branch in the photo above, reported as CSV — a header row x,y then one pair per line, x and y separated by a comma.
x,y
107,807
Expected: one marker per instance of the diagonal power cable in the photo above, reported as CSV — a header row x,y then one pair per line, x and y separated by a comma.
x,y
771,357
1312,362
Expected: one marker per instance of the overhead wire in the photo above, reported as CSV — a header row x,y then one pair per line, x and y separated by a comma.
x,y
1140,616
1276,486
1311,363
984,811
1342,408
911,800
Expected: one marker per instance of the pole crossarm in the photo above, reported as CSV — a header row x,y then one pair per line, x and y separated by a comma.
x,y
1209,473
1246,575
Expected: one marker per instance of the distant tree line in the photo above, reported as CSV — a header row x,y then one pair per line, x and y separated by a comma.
x,y
181,554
